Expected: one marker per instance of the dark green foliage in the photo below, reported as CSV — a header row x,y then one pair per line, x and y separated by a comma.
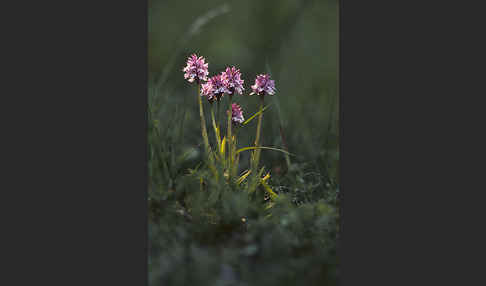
x,y
197,234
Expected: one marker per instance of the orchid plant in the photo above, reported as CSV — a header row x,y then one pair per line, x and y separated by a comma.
x,y
223,159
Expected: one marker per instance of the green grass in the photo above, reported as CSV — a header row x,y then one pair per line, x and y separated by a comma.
x,y
197,233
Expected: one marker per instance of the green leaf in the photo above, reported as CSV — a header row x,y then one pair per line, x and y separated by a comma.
x,y
269,190
254,115
243,177
270,148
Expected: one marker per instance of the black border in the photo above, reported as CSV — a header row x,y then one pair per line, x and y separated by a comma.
x,y
80,144
396,74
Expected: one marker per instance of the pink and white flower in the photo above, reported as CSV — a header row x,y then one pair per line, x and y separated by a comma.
x,y
236,114
214,88
263,85
232,80
196,69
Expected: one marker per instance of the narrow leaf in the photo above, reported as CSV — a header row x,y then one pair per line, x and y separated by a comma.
x,y
223,144
266,177
254,115
255,147
243,177
269,190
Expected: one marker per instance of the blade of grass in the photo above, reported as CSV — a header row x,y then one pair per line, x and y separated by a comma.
x,y
256,114
280,118
269,148
193,30
243,177
269,190
223,146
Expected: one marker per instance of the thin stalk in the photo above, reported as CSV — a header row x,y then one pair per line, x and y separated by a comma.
x,y
284,143
235,160
217,117
203,121
216,131
257,139
230,139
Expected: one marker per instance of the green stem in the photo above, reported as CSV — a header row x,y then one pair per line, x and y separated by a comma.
x,y
235,162
216,131
229,138
203,121
217,117
257,140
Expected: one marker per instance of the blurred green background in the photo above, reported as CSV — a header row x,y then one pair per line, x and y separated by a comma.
x,y
296,41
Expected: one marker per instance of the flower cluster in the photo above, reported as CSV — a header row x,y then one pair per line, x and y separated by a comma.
x,y
263,85
236,113
196,69
232,80
214,89
229,81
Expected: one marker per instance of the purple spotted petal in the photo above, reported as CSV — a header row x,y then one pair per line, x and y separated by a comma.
x,y
214,88
263,85
232,80
196,69
236,113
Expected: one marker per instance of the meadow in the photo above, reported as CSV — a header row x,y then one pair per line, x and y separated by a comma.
x,y
211,221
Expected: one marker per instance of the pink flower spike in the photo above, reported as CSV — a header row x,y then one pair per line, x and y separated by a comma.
x,y
207,90
236,114
214,89
232,80
196,69
263,85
